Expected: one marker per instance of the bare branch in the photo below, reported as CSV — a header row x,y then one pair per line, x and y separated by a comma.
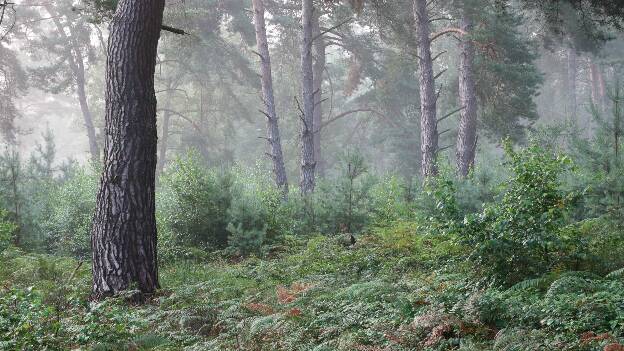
x,y
332,28
438,55
173,30
450,114
439,74
444,148
436,35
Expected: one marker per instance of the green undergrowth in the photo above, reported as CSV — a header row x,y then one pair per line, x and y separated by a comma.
x,y
395,289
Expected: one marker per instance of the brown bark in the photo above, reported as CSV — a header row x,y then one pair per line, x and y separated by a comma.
x,y
273,132
467,132
123,235
308,165
318,69
428,122
76,64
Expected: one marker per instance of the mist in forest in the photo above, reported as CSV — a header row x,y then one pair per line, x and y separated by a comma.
x,y
209,95
351,175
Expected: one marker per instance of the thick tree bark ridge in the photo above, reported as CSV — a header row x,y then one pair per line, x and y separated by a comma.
x,y
428,103
268,97
123,235
467,132
308,163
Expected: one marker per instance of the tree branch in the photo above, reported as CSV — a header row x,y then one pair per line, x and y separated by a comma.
x,y
436,35
450,114
332,28
341,115
173,30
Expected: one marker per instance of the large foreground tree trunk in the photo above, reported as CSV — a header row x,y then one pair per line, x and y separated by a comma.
x,y
428,119
467,133
318,70
123,236
308,165
273,132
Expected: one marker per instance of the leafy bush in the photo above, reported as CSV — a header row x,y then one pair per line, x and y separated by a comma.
x,y
518,237
71,209
193,204
26,323
7,230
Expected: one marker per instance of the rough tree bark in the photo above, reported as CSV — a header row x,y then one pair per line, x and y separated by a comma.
x,y
123,235
428,121
572,72
319,46
76,64
308,165
273,132
467,132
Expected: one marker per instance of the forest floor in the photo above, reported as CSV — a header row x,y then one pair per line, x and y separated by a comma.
x,y
390,291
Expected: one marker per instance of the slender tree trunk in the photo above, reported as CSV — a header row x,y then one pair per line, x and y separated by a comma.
x,y
572,72
428,119
307,181
123,235
318,69
597,84
467,133
164,137
273,132
76,64
94,149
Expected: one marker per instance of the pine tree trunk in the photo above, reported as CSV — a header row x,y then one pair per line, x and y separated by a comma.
x,y
76,64
319,68
307,181
572,72
94,149
273,132
597,84
123,235
428,119
164,137
467,133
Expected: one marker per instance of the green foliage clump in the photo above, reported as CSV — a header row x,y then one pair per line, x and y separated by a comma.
x,y
71,207
344,204
26,323
7,230
517,237
208,210
193,204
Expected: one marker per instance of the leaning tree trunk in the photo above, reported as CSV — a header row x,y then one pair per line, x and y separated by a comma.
x,y
467,133
76,64
123,235
306,180
572,72
428,119
273,132
318,68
